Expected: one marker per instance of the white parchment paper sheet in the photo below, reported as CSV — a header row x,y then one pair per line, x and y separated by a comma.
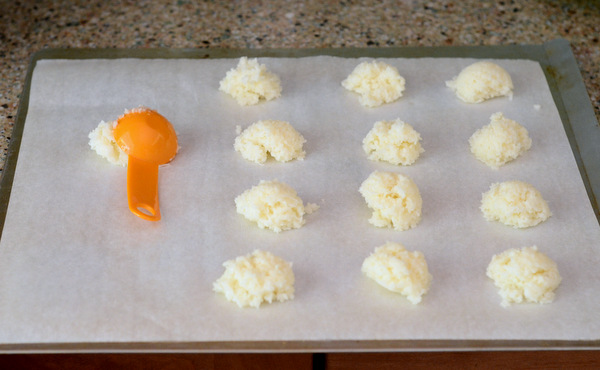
x,y
77,266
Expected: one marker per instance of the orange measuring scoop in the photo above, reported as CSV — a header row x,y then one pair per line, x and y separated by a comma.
x,y
149,140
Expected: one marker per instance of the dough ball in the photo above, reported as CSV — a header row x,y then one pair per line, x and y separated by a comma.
x,y
514,203
253,279
524,275
395,142
376,82
250,82
273,205
481,81
102,140
394,198
399,270
277,138
499,142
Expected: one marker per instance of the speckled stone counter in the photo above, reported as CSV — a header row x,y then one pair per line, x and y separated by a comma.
x,y
29,26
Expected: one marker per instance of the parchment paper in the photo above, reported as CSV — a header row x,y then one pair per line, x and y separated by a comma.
x,y
77,266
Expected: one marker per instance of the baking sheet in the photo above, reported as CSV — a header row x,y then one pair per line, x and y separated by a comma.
x,y
77,267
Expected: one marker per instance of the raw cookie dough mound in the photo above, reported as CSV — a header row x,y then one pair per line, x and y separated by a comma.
x,y
514,203
499,142
277,138
481,81
102,140
273,205
395,142
524,275
394,198
376,82
250,82
256,278
399,270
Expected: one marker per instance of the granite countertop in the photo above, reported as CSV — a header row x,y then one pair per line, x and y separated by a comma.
x,y
29,26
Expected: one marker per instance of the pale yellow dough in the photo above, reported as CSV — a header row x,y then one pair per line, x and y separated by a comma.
x,y
514,203
102,141
481,81
377,83
499,142
250,83
278,139
524,275
254,279
395,142
399,270
394,198
273,205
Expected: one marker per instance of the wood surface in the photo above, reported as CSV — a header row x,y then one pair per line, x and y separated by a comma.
x,y
335,361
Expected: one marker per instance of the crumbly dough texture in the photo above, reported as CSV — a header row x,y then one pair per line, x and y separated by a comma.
x,y
499,142
139,109
102,140
254,279
395,142
524,275
273,205
377,83
481,81
251,82
514,203
270,137
394,198
399,270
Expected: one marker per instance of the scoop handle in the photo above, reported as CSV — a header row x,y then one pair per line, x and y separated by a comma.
x,y
142,189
